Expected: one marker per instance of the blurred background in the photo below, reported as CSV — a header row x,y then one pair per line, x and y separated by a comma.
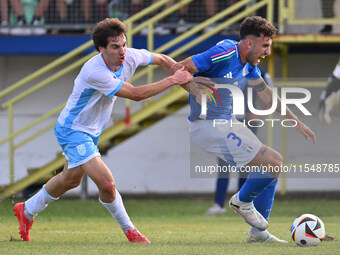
x,y
147,144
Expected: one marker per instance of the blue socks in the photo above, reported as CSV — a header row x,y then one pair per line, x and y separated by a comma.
x,y
222,184
221,189
264,201
254,185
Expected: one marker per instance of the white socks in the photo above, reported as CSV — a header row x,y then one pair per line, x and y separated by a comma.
x,y
38,203
42,199
117,210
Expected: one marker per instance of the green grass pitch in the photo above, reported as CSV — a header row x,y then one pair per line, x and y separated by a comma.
x,y
173,227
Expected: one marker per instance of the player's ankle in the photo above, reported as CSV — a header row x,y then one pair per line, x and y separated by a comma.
x,y
28,214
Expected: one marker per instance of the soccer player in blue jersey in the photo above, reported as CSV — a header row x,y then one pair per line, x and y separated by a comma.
x,y
237,62
222,181
101,80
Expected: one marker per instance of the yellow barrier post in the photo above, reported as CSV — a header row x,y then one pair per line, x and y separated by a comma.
x,y
129,22
11,143
282,15
270,11
129,35
150,48
270,14
291,10
284,52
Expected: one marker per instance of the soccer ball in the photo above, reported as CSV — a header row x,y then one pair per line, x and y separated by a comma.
x,y
308,230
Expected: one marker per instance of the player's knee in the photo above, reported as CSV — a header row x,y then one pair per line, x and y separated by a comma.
x,y
109,187
277,159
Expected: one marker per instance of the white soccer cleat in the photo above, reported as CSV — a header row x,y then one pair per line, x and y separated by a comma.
x,y
248,212
263,236
216,209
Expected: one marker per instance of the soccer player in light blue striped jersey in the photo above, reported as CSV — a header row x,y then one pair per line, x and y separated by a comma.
x,y
101,80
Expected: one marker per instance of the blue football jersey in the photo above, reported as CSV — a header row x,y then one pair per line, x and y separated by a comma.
x,y
222,63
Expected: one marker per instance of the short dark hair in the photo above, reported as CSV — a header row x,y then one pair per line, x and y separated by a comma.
x,y
105,29
256,26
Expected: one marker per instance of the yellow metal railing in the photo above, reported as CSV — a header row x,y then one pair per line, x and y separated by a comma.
x,y
62,60
287,15
131,31
292,83
77,51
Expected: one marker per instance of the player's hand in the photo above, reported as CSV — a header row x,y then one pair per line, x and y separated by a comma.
x,y
199,87
305,131
175,67
182,76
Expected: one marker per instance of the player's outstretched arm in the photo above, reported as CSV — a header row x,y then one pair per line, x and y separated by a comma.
x,y
305,131
145,91
198,85
266,95
189,65
163,61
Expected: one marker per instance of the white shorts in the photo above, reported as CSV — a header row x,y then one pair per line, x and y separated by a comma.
x,y
236,144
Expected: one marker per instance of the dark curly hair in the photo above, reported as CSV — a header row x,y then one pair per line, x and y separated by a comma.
x,y
256,26
105,29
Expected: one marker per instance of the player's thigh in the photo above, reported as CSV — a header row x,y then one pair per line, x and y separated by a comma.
x,y
66,180
72,175
266,156
234,143
98,171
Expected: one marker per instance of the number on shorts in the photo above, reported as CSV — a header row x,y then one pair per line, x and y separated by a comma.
x,y
235,137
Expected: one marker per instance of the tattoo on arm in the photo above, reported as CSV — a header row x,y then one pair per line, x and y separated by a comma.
x,y
263,151
260,87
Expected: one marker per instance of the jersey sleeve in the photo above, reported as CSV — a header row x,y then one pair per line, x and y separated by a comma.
x,y
103,82
254,72
141,57
204,60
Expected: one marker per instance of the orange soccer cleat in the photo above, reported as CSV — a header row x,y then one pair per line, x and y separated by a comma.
x,y
135,236
24,222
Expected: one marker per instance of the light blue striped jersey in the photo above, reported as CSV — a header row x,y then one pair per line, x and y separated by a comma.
x,y
90,105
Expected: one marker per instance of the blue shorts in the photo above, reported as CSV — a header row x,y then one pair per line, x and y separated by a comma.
x,y
78,147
